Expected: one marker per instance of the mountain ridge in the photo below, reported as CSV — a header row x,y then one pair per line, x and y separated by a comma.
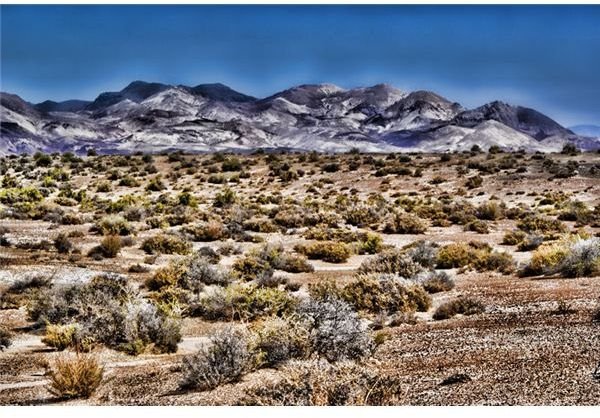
x,y
212,117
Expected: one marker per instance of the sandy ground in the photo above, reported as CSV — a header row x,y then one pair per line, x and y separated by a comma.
x,y
522,350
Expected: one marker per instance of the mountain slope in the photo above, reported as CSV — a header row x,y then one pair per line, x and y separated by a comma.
x,y
208,117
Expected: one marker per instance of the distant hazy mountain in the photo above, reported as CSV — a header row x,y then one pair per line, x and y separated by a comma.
x,y
153,117
586,130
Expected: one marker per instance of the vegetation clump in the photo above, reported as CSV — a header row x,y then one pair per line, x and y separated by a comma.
x,y
166,244
75,377
461,305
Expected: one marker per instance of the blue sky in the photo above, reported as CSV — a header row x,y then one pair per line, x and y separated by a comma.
x,y
547,57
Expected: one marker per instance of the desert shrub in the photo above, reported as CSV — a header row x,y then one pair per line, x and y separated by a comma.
x,y
276,257
5,338
289,218
138,268
490,211
335,331
392,261
494,261
113,225
20,290
75,377
530,242
11,196
437,281
60,336
166,244
293,263
455,255
208,231
225,359
385,292
166,276
514,237
578,212
361,215
251,267
104,311
277,340
231,164
332,252
477,226
110,246
62,244
474,182
541,225
243,302
103,187
582,259
199,272
225,198
145,324
546,259
260,225
128,181
318,382
423,253
330,167
405,223
370,244
461,305
156,185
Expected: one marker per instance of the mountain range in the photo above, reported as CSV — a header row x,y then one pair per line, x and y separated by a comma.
x,y
154,117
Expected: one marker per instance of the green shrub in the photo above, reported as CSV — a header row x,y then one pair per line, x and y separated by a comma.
x,y
165,276
251,267
370,244
12,196
546,259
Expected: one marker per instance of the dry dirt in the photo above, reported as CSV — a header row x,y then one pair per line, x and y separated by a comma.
x,y
523,350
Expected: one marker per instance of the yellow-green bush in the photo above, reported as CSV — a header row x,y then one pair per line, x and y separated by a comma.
x,y
332,252
60,336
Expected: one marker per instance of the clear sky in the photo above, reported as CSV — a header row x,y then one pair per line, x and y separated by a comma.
x,y
546,57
